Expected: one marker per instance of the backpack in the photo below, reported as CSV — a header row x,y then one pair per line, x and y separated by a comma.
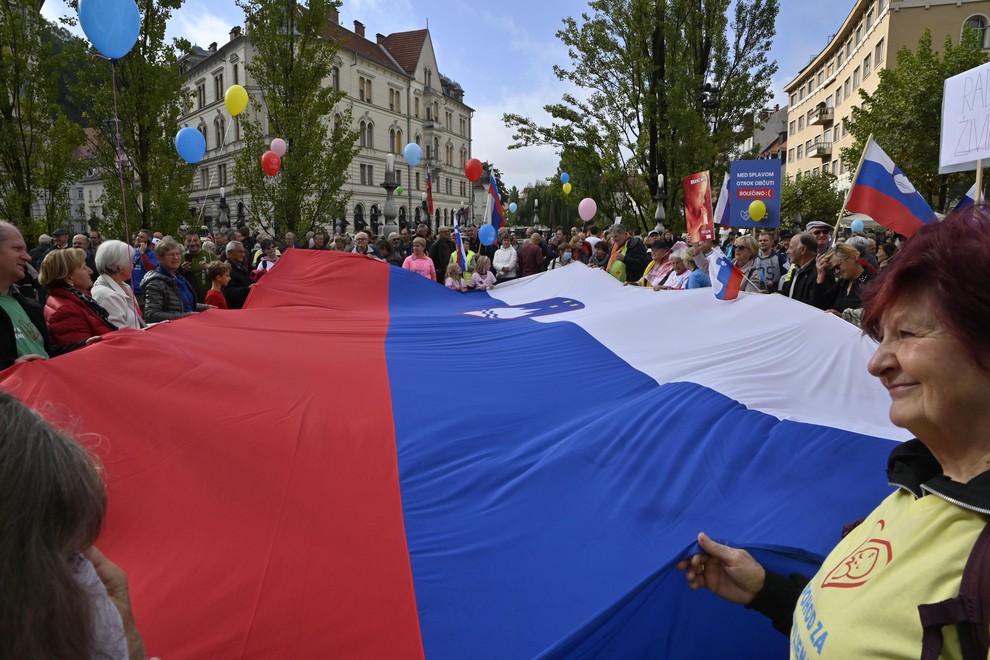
x,y
967,611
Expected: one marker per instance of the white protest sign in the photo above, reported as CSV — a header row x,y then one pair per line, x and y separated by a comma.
x,y
965,121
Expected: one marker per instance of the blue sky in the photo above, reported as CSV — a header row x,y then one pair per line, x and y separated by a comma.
x,y
503,54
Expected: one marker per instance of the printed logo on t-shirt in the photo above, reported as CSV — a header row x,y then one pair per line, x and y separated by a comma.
x,y
861,564
26,330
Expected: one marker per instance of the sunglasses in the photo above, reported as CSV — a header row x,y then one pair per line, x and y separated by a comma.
x,y
820,232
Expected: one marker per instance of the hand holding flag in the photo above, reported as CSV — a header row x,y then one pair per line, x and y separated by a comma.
x,y
726,277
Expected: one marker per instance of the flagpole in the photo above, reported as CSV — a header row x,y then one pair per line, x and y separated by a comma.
x,y
842,212
979,183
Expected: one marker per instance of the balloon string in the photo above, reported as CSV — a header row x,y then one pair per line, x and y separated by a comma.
x,y
209,186
120,151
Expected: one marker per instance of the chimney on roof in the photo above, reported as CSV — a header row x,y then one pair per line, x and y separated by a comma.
x,y
235,32
213,47
380,38
359,28
334,16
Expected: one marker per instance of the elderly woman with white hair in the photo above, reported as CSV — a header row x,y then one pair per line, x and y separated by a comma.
x,y
111,290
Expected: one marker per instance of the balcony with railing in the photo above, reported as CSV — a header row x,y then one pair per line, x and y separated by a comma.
x,y
821,150
822,116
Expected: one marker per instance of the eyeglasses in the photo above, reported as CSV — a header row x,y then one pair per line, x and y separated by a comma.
x,y
820,232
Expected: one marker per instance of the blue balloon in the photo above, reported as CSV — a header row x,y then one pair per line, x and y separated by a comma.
x,y
512,207
412,153
856,225
565,177
190,144
487,234
112,26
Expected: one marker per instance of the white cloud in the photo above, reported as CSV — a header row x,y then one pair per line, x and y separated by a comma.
x,y
201,26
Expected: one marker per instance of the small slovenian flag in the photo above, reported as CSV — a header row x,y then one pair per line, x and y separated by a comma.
x,y
722,206
496,219
882,192
725,275
968,199
461,257
429,193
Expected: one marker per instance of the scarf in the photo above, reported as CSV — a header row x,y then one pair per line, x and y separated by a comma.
x,y
94,306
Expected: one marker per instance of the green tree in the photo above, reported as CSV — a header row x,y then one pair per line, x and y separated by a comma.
x,y
296,53
667,85
37,142
814,197
148,102
905,113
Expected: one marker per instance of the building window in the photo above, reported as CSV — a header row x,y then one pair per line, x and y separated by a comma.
x,y
800,152
811,86
222,173
463,190
418,187
218,127
790,155
821,78
845,126
364,175
835,167
869,17
814,172
416,106
463,127
846,89
398,177
367,90
204,177
835,134
838,61
448,186
450,121
237,129
361,88
880,6
200,95
838,95
337,121
856,78
362,134
801,123
801,93
218,86
866,66
978,24
878,53
335,79
859,34
793,99
829,102
370,141
236,74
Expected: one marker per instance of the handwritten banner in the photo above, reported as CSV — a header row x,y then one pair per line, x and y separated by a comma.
x,y
965,121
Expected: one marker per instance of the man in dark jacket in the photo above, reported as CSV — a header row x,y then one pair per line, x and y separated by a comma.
x,y
799,283
23,333
440,252
236,291
629,250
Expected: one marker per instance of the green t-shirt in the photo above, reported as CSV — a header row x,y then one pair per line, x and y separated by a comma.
x,y
26,334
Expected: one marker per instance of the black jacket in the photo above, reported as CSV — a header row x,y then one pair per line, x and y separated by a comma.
x,y
636,259
236,291
803,283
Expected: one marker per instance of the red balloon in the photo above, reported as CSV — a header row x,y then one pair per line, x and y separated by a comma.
x,y
271,163
473,169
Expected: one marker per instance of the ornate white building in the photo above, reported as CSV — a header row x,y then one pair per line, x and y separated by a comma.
x,y
397,94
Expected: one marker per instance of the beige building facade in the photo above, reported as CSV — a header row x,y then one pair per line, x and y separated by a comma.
x,y
822,96
397,95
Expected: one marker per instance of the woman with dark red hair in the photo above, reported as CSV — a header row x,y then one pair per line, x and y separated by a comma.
x,y
931,320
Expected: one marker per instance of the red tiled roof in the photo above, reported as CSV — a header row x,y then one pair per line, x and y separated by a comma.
x,y
406,48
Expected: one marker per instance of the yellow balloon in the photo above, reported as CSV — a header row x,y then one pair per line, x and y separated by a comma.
x,y
567,188
757,210
236,100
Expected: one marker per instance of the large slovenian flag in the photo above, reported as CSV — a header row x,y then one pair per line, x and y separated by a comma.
x,y
338,504
882,192
496,218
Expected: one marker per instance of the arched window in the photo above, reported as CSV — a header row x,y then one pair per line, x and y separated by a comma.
x,y
463,157
202,129
436,214
436,148
419,140
362,132
979,23
337,121
398,142
370,140
373,214
359,223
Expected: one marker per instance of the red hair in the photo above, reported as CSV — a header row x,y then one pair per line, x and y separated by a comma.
x,y
959,288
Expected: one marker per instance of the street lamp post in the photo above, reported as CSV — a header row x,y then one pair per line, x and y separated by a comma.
x,y
798,222
660,197
391,209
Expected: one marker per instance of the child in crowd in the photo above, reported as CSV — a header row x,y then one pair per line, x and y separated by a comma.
x,y
455,278
219,274
600,258
483,277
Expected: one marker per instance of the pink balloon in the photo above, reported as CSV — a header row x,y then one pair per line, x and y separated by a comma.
x,y
587,209
279,146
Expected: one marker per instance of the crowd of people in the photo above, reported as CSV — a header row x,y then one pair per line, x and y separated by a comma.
x,y
63,598
83,288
